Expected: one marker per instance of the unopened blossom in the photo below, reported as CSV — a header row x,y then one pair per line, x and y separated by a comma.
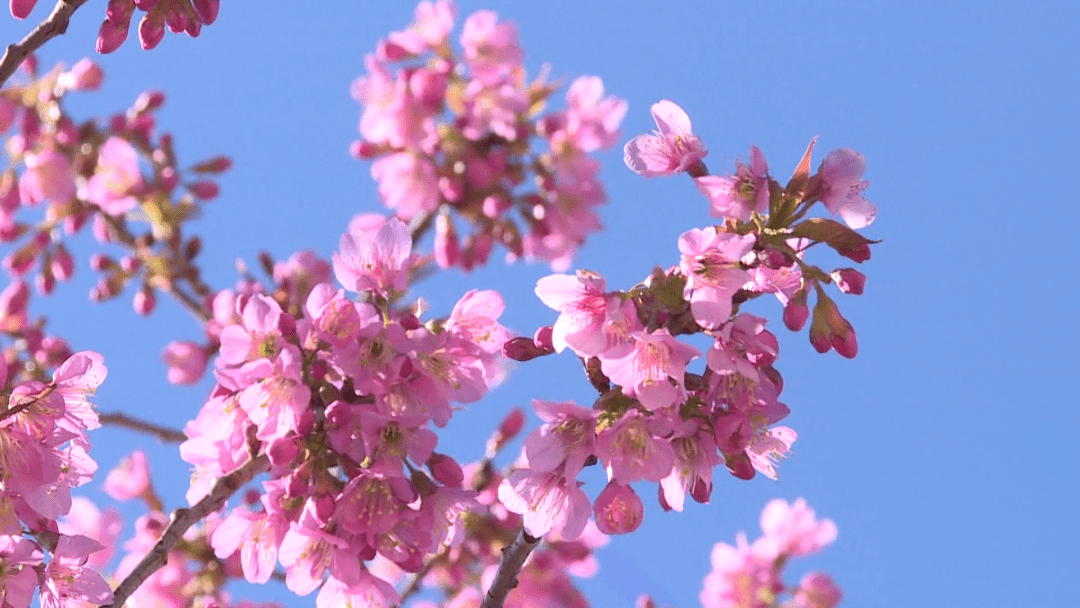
x,y
85,75
618,509
378,263
186,362
672,149
842,172
817,590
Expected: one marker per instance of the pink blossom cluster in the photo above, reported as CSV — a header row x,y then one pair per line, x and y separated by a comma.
x,y
451,135
110,175
340,394
654,419
44,452
751,575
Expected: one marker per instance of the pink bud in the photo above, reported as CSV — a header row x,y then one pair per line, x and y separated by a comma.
x,y
186,362
817,590
618,509
7,114
849,280
45,282
523,349
111,36
86,75
177,21
207,10
145,301
283,451
145,5
204,189
148,101
218,164
513,423
447,249
130,264
363,150
830,330
795,315
446,470
21,9
151,31
62,266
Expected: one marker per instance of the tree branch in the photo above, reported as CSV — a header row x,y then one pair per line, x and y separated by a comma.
x,y
53,25
181,520
165,434
513,559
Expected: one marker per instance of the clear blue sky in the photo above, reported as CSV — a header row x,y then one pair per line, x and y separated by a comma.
x,y
943,452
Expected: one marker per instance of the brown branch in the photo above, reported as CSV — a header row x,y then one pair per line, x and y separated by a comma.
x,y
53,25
165,434
513,558
181,520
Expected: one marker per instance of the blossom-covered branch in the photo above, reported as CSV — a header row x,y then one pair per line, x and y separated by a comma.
x,y
184,518
54,25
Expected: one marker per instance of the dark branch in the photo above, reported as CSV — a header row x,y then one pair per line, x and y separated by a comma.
x,y
513,559
181,520
53,25
165,434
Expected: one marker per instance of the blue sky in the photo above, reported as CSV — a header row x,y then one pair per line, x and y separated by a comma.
x,y
943,452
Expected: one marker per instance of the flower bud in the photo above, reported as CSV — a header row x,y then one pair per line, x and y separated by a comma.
x,y
849,280
618,509
85,75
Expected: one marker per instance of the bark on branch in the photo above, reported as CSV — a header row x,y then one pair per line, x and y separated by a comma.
x,y
184,518
120,419
53,25
513,559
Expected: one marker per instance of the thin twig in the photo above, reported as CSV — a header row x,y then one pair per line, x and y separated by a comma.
x,y
181,520
163,433
53,25
513,558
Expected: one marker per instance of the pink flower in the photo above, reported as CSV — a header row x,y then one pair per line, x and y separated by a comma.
x,y
368,591
130,479
742,194
652,369
710,262
475,318
592,120
117,179
85,518
695,458
582,304
792,530
256,535
634,448
18,578
618,510
768,447
491,48
68,580
739,578
407,183
48,176
432,23
378,263
257,336
842,172
566,439
546,501
673,149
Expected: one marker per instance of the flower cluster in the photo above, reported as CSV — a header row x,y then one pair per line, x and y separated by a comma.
x,y
340,394
44,452
452,138
751,575
111,176
654,419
